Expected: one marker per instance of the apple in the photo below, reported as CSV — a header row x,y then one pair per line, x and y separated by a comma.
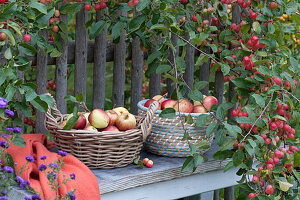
x,y
169,103
98,118
209,101
2,36
90,128
81,121
86,115
111,128
120,110
184,106
63,123
26,38
113,116
198,103
199,109
148,102
159,98
125,122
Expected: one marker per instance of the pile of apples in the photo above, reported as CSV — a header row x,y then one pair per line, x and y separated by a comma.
x,y
118,119
185,106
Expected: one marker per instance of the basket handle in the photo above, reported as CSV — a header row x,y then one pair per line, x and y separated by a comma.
x,y
51,120
146,122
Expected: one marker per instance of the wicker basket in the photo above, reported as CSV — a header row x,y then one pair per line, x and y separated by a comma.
x,y
166,134
100,150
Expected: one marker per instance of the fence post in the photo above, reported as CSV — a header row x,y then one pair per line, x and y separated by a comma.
x,y
189,60
216,195
81,35
229,193
119,69
99,65
62,70
170,85
41,80
136,74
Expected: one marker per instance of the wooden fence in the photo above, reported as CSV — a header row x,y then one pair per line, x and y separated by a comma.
x,y
101,50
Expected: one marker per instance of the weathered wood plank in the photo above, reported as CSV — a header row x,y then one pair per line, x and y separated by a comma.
x,y
118,95
81,35
169,82
154,84
61,71
136,74
99,65
18,97
190,62
219,86
216,195
229,193
41,80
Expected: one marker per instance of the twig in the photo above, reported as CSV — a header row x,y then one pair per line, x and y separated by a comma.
x,y
258,118
290,94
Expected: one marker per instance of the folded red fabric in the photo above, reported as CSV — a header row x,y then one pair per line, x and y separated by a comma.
x,y
85,181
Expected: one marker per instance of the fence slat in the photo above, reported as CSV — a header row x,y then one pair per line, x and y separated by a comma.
x,y
229,193
61,72
119,70
136,74
81,41
99,66
170,85
18,97
154,84
216,195
189,60
41,80
219,86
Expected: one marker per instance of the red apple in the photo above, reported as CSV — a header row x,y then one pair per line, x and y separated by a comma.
x,y
199,109
111,128
148,102
86,115
159,98
120,110
98,118
209,101
90,128
125,122
269,189
26,38
184,106
81,122
113,116
169,103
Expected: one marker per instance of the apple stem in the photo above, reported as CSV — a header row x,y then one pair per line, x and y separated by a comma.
x,y
84,106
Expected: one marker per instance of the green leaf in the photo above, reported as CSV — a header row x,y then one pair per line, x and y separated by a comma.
x,y
203,144
141,5
262,53
43,19
200,85
48,99
10,92
243,120
294,63
137,21
188,164
202,120
39,104
232,130
19,141
71,122
30,95
252,143
227,143
27,49
8,54
245,28
39,6
63,26
242,83
70,8
168,113
249,149
55,53
211,128
159,26
71,99
196,95
271,28
163,68
228,166
193,148
8,159
222,155
201,60
220,136
259,100
238,158
79,97
225,69
97,28
260,139
153,56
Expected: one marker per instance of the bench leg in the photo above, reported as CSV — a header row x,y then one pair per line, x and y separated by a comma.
x,y
202,196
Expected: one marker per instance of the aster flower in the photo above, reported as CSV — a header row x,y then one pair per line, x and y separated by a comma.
x,y
10,129
9,112
51,176
4,135
72,176
43,157
53,165
24,185
3,102
4,144
30,159
3,198
62,153
8,169
17,130
19,179
27,198
70,195
42,167
36,197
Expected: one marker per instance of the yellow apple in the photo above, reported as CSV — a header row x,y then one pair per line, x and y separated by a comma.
x,y
120,110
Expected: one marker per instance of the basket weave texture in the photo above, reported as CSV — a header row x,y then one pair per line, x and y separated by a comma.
x,y
166,134
100,150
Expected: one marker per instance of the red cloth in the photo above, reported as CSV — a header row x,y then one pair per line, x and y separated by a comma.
x,y
85,183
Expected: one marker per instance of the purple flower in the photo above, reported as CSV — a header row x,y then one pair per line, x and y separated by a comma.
x,y
72,176
62,153
4,135
8,169
4,192
17,130
10,129
19,179
3,102
51,176
3,198
4,176
4,144
36,197
24,185
71,195
30,159
43,157
42,167
9,112
53,165
27,198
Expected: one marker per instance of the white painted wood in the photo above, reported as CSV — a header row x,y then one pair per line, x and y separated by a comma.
x,y
177,188
207,195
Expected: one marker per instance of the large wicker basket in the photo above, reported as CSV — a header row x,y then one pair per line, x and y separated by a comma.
x,y
166,134
100,150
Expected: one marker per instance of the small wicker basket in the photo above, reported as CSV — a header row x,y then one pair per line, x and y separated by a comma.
x,y
100,150
166,134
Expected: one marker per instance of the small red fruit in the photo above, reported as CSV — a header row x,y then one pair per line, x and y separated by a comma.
x,y
273,5
251,195
26,38
145,160
253,15
87,7
273,126
255,179
267,141
269,189
149,164
194,18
